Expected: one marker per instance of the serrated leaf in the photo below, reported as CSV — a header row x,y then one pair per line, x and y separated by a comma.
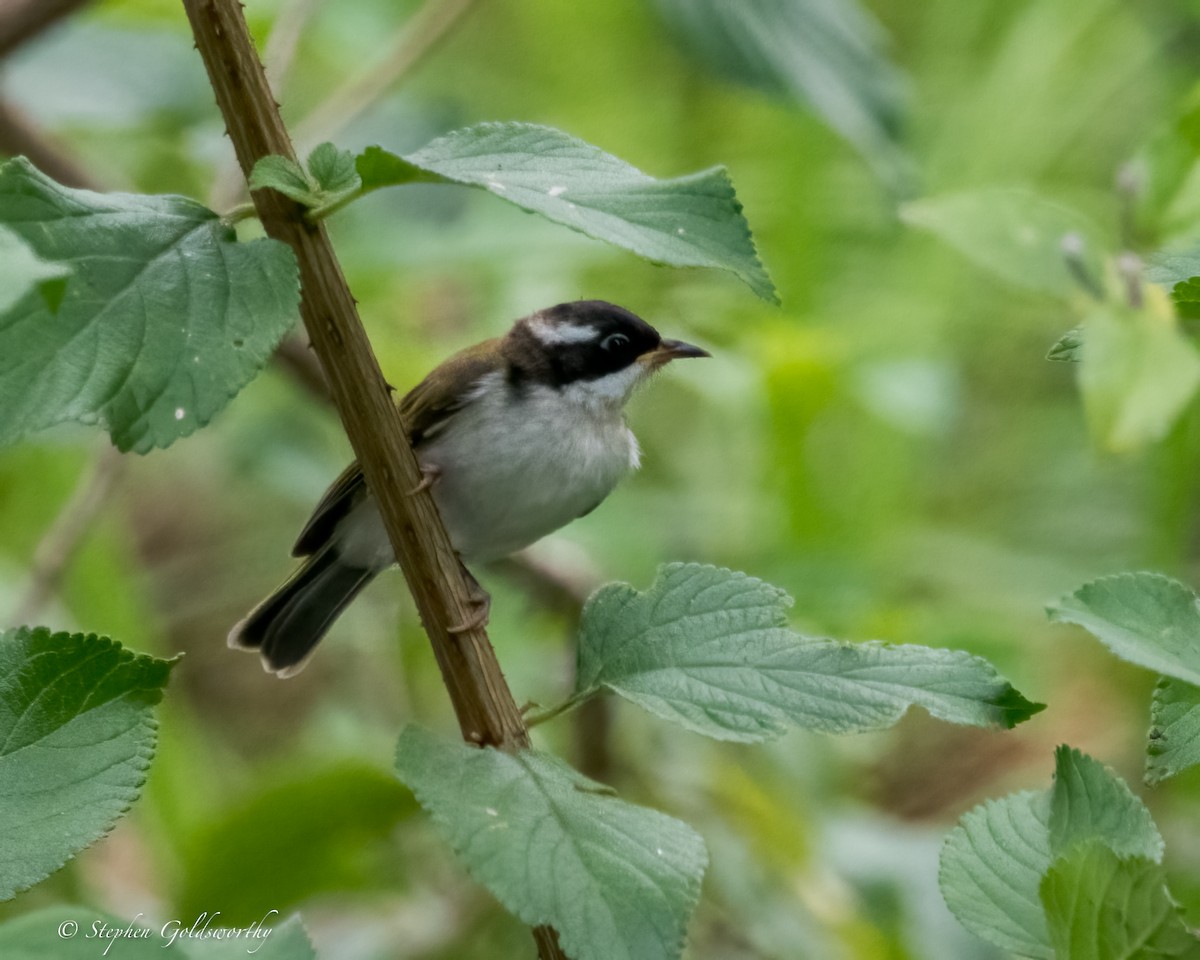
x,y
165,318
284,174
332,169
1067,348
1013,233
1178,271
617,881
22,270
1138,371
993,862
1103,907
76,736
707,648
1174,741
1088,803
1145,618
826,53
991,866
690,221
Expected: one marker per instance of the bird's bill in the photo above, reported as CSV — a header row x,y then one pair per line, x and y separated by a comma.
x,y
668,350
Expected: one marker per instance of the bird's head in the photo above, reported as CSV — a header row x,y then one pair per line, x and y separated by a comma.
x,y
592,351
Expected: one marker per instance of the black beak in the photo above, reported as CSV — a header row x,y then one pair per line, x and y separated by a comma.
x,y
677,350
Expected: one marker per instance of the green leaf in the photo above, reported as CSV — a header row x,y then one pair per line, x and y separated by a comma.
x,y
327,824
690,221
1177,271
618,882
1088,803
1138,371
284,174
1102,907
1174,741
378,168
164,319
333,169
1012,233
1145,618
1068,348
708,648
827,53
331,177
22,270
991,866
993,862
76,737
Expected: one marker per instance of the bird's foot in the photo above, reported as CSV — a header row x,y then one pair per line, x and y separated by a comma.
x,y
480,602
429,476
481,610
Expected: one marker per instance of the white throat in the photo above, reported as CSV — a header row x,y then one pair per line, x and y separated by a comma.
x,y
607,394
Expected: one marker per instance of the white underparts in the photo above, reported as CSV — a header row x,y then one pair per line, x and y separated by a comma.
x,y
515,467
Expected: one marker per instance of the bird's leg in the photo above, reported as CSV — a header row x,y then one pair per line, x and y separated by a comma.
x,y
429,476
480,601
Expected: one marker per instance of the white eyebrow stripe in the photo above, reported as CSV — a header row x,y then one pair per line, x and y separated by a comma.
x,y
552,333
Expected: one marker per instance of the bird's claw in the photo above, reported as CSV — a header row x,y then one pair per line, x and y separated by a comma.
x,y
479,599
429,476
478,619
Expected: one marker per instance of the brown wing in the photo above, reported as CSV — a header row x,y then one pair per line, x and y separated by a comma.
x,y
423,409
431,402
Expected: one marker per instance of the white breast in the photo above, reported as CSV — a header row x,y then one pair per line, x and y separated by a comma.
x,y
513,472
510,473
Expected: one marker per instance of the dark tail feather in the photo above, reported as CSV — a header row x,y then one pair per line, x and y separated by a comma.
x,y
286,626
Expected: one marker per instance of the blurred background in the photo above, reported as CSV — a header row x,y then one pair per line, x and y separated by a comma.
x,y
890,446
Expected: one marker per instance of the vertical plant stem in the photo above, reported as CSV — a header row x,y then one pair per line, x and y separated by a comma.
x,y
486,710
63,537
484,705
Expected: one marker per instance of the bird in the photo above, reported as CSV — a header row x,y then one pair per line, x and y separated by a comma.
x,y
515,436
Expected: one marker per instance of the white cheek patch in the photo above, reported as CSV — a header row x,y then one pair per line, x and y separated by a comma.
x,y
555,333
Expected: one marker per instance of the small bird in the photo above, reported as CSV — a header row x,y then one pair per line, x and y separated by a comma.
x,y
516,436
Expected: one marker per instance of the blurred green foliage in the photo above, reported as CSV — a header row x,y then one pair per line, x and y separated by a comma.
x,y
889,446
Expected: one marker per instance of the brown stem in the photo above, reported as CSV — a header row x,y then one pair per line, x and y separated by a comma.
x,y
22,19
564,583
486,710
279,52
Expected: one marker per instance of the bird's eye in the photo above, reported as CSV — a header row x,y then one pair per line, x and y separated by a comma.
x,y
614,341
